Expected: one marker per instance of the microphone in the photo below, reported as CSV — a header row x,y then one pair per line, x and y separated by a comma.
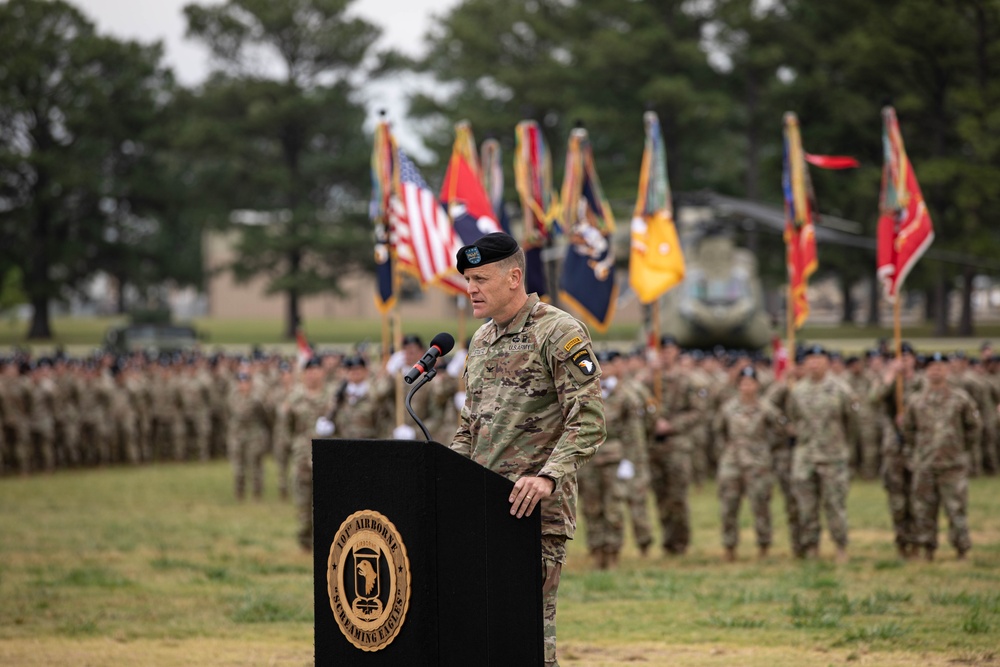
x,y
440,346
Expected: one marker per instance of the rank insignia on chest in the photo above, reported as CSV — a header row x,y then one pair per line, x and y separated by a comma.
x,y
583,360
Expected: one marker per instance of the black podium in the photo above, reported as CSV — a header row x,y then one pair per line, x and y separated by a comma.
x,y
417,560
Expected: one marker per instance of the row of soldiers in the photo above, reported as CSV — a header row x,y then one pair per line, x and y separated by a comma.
x,y
663,437
729,416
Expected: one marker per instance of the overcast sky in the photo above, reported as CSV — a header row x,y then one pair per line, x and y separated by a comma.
x,y
404,24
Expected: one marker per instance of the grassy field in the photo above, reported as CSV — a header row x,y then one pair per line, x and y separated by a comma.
x,y
160,566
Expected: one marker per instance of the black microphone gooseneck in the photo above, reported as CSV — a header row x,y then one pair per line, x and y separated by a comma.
x,y
428,376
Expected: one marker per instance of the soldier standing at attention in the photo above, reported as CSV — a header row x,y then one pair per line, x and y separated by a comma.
x,y
248,437
679,412
747,428
823,411
357,403
941,428
533,409
308,402
601,491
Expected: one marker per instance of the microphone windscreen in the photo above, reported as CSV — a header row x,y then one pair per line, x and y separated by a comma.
x,y
444,342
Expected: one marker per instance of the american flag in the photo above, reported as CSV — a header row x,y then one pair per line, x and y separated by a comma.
x,y
426,241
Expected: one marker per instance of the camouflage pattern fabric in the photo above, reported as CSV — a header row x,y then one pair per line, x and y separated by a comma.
x,y
533,407
747,433
304,408
822,412
941,427
248,441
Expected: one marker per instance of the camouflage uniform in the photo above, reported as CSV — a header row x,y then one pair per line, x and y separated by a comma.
x,y
636,489
940,430
357,410
781,455
823,413
980,393
747,433
249,434
304,408
167,434
69,386
865,437
670,459
601,491
95,432
897,478
533,407
123,421
13,416
42,411
196,410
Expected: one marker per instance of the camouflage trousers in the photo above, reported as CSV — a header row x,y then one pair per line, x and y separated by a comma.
x,y
781,463
898,483
932,489
68,442
95,443
670,478
991,455
246,456
602,494
702,459
125,441
755,484
40,449
167,438
199,430
636,503
816,484
553,558
15,440
302,493
866,452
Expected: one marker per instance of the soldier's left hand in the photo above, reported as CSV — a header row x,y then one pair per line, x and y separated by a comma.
x,y
527,493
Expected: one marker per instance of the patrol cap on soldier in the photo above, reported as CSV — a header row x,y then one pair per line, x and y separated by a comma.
x,y
488,249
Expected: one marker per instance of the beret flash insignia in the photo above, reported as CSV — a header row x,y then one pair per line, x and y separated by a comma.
x,y
473,256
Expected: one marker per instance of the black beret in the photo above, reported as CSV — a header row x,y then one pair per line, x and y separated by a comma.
x,y
243,377
748,372
815,349
488,249
412,339
313,362
906,348
936,356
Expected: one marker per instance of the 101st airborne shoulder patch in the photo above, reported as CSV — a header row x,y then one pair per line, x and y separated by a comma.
x,y
584,362
368,579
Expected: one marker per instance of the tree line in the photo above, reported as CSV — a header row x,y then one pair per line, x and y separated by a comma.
x,y
108,164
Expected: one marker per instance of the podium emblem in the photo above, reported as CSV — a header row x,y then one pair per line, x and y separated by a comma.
x,y
368,579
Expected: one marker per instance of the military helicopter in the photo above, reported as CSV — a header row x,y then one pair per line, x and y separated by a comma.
x,y
721,300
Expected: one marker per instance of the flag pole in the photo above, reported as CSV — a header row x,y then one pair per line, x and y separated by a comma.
x,y
898,341
400,387
790,334
658,376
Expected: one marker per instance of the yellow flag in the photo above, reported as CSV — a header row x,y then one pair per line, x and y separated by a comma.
x,y
656,261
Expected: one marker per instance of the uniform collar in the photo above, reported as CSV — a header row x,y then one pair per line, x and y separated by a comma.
x,y
517,323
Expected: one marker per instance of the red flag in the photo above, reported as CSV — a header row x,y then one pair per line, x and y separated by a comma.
x,y
462,192
780,357
832,161
305,351
905,230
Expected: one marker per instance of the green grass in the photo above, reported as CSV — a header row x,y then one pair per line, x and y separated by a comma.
x,y
101,566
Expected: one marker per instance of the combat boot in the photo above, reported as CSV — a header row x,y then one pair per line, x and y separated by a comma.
x,y
730,554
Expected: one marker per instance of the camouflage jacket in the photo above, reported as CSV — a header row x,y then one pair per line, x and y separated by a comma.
x,y
746,433
533,404
358,411
248,417
940,428
823,413
304,408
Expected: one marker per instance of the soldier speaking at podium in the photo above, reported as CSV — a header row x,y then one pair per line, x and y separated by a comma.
x,y
533,411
